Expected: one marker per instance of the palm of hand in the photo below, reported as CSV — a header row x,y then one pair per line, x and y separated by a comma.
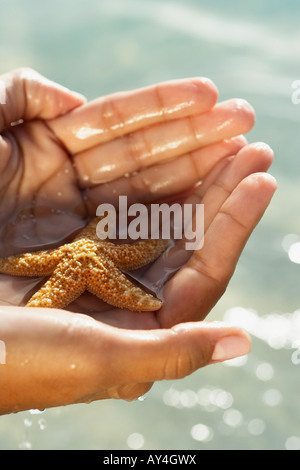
x,y
42,197
53,200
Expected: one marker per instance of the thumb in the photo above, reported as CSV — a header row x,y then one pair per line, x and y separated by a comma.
x,y
26,95
175,353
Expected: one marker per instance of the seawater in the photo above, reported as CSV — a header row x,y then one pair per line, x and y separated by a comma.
x,y
251,50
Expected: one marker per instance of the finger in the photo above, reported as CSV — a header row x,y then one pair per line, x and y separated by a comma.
x,y
224,178
196,288
29,95
149,356
214,191
80,359
161,142
168,178
118,114
212,194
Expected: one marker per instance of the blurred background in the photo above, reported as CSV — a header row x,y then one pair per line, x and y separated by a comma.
x,y
251,50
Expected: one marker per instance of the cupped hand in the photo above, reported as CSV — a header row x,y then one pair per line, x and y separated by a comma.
x,y
61,157
64,157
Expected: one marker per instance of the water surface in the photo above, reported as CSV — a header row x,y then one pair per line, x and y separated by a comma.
x,y
251,50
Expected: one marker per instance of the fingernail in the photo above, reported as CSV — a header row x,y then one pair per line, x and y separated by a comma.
x,y
230,347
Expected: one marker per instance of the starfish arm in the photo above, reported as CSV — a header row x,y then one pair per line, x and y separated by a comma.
x,y
89,232
64,286
107,282
41,263
133,256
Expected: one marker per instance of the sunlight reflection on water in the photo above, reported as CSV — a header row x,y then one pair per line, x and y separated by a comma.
x,y
277,330
121,44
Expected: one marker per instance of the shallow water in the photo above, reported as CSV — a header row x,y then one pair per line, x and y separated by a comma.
x,y
251,50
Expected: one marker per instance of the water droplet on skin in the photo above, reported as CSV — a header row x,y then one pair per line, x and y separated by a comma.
x,y
26,361
142,398
36,411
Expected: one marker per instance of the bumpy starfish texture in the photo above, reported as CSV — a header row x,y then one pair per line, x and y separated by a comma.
x,y
91,264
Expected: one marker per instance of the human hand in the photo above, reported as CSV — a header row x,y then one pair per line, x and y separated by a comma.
x,y
189,133
57,166
54,357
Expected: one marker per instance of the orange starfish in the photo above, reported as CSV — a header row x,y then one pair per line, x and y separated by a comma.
x,y
91,264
